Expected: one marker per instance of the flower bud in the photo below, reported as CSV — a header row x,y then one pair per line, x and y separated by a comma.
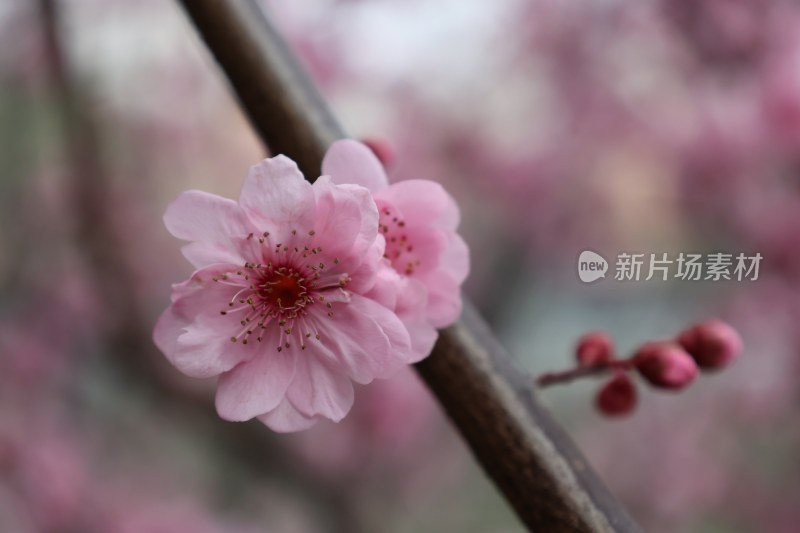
x,y
594,348
382,150
618,396
712,344
665,365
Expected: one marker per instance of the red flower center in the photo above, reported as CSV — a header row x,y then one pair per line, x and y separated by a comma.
x,y
285,291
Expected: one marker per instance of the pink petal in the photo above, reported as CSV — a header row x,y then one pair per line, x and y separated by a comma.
x,y
256,386
364,339
368,230
423,202
346,220
195,351
286,418
192,334
423,335
203,254
349,161
411,308
277,198
317,389
428,245
200,216
412,295
201,295
454,261
444,298
387,286
209,220
363,277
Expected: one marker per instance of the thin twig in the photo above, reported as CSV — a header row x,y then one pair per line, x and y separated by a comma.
x,y
530,458
565,376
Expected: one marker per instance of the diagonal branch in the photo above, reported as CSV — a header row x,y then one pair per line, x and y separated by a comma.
x,y
529,457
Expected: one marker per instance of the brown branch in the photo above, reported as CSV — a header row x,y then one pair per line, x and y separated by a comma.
x,y
529,457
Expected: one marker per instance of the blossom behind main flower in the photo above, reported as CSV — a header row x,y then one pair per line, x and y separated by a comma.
x,y
418,220
277,307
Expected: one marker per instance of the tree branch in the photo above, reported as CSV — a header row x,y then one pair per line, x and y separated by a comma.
x,y
529,457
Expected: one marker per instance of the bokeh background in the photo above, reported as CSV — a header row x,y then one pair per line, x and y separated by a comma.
x,y
614,125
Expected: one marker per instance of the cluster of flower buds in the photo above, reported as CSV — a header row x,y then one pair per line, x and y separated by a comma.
x,y
670,365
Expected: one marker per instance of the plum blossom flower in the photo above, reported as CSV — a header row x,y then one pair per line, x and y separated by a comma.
x,y
418,220
277,308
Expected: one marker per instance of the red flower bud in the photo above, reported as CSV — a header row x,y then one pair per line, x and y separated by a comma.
x,y
382,150
594,348
618,396
665,365
713,343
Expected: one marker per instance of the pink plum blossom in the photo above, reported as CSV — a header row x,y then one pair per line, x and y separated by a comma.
x,y
277,307
418,220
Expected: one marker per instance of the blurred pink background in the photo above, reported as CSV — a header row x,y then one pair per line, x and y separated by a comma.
x,y
665,126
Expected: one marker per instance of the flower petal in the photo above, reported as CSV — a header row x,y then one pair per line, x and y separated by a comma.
x,y
423,335
204,217
387,286
444,298
277,198
411,308
317,389
421,252
364,339
286,418
423,202
257,386
346,220
349,161
455,259
211,222
363,277
203,254
197,352
192,334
